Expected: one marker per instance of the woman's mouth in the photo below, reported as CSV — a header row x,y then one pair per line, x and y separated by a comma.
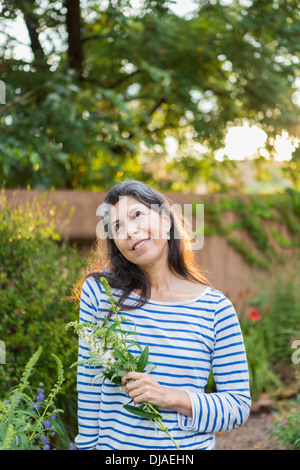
x,y
139,245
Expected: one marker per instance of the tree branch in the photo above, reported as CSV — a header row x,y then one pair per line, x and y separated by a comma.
x,y
157,105
122,79
113,85
74,25
32,27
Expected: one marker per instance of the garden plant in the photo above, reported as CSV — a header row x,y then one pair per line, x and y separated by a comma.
x,y
28,418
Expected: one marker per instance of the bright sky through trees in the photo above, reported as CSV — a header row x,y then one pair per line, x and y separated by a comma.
x,y
241,142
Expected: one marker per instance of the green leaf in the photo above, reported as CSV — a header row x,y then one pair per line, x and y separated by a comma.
x,y
135,343
118,330
151,369
108,330
143,360
30,413
139,412
120,355
123,319
96,377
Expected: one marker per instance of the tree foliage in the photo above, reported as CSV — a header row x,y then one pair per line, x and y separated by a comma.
x,y
107,83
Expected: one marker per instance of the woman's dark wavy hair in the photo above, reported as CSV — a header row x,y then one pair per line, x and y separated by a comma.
x,y
106,260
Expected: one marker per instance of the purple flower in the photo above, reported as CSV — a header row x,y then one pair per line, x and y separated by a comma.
x,y
72,446
40,397
47,447
44,440
47,424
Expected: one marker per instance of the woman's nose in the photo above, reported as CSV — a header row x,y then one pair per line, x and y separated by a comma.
x,y
132,227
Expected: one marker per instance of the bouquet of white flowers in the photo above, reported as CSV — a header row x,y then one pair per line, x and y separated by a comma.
x,y
108,348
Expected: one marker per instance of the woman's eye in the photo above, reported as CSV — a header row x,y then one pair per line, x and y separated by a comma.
x,y
118,227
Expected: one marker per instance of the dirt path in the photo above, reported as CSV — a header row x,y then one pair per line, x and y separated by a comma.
x,y
254,435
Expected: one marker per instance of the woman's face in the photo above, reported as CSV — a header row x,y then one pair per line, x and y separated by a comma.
x,y
139,232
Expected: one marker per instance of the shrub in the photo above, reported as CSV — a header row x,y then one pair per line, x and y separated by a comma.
x,y
282,322
268,328
279,305
286,426
261,376
36,275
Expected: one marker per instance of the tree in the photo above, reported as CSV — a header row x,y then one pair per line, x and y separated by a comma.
x,y
108,83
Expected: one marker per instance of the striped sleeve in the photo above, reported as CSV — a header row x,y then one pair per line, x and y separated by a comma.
x,y
229,407
89,394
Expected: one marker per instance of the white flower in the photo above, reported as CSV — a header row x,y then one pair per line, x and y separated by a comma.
x,y
92,343
96,346
108,359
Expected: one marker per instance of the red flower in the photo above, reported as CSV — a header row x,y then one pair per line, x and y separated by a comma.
x,y
254,315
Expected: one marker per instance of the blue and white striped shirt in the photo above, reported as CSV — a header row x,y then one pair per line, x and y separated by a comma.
x,y
186,340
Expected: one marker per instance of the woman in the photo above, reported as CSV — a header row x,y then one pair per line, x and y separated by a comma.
x,y
190,328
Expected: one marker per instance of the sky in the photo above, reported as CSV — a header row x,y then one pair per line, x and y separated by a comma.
x,y
241,142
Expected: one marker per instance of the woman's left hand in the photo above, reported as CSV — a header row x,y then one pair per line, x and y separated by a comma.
x,y
143,388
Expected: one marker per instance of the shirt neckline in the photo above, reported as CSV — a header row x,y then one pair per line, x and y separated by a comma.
x,y
182,302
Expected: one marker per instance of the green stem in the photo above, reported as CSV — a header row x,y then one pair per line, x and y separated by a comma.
x,y
163,428
41,418
159,422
